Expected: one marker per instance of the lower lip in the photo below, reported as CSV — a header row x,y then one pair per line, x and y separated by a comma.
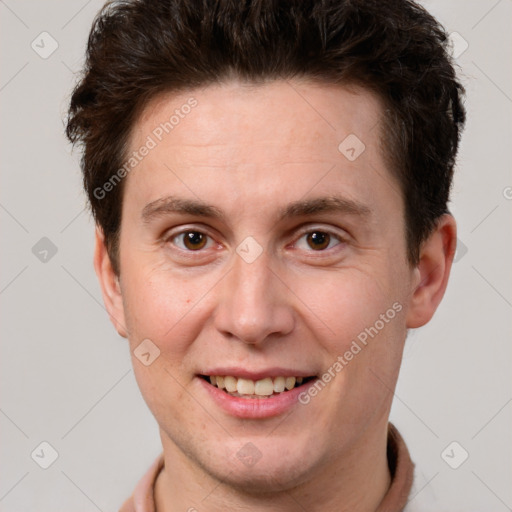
x,y
255,407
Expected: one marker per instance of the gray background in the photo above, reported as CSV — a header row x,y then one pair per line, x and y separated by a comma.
x,y
66,376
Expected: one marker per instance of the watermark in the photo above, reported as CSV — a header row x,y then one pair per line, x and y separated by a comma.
x,y
356,346
44,45
454,455
44,250
249,454
150,143
249,249
147,352
44,455
457,45
460,251
351,147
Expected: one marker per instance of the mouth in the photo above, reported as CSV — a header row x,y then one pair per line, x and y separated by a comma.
x,y
261,389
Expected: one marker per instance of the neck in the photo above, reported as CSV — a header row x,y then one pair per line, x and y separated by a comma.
x,y
356,481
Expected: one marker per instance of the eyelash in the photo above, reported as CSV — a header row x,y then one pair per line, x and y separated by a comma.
x,y
210,239
182,233
330,233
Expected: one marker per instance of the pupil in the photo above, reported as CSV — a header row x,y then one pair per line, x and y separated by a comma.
x,y
318,240
194,240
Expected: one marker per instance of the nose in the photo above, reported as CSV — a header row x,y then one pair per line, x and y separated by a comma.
x,y
254,304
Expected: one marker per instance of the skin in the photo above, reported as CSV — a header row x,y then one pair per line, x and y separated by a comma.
x,y
251,151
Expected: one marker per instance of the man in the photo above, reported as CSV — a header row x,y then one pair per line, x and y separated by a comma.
x,y
270,183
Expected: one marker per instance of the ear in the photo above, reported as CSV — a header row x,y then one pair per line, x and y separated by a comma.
x,y
433,270
110,286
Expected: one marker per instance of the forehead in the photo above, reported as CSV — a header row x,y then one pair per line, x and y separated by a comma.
x,y
242,140
304,115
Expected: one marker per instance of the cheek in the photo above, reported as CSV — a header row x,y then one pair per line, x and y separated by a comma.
x,y
164,393
168,309
346,302
363,319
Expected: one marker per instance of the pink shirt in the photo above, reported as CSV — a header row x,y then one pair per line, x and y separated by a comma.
x,y
400,466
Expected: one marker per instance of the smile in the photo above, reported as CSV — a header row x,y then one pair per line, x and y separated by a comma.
x,y
255,389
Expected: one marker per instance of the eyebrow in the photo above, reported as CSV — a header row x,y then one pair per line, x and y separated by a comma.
x,y
331,204
167,205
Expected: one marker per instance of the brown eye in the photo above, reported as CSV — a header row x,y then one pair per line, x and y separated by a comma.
x,y
318,240
194,240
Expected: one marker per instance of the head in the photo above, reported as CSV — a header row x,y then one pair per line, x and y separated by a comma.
x,y
270,184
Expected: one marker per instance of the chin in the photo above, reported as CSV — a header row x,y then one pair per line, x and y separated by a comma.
x,y
259,466
265,479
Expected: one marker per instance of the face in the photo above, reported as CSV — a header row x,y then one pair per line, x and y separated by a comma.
x,y
258,251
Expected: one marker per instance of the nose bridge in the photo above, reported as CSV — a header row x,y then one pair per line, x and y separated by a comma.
x,y
252,306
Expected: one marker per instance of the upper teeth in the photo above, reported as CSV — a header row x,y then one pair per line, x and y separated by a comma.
x,y
262,387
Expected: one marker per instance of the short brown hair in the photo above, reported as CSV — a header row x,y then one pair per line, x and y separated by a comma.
x,y
394,48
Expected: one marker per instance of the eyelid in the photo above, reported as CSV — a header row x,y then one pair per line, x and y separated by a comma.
x,y
311,228
171,234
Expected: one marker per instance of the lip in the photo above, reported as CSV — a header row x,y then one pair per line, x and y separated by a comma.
x,y
255,408
257,375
